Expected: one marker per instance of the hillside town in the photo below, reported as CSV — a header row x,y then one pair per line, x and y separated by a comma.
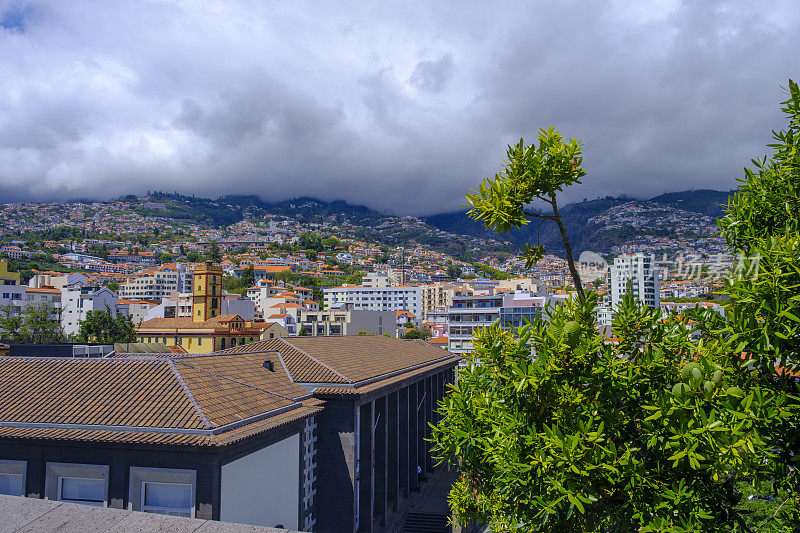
x,y
279,275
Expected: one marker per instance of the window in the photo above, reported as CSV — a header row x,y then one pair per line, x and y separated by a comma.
x,y
12,478
82,490
162,490
79,483
174,499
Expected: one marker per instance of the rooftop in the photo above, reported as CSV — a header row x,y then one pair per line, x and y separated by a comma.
x,y
35,514
346,360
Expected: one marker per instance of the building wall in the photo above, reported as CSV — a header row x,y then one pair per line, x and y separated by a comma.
x,y
641,271
205,463
262,488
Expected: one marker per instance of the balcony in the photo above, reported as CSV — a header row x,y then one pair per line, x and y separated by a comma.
x,y
482,310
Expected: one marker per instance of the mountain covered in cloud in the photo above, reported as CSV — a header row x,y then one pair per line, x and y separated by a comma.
x,y
398,106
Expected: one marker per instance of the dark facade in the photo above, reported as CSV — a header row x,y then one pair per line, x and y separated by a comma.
x,y
371,445
206,462
359,411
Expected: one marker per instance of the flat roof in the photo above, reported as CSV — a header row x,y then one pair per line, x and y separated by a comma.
x,y
35,514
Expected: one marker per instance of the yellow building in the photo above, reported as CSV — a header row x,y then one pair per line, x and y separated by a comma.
x,y
11,291
207,330
6,277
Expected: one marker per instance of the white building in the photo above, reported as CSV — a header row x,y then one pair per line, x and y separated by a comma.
x,y
399,298
56,280
346,320
158,283
76,302
641,271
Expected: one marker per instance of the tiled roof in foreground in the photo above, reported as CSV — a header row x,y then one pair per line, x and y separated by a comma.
x,y
201,400
195,400
347,359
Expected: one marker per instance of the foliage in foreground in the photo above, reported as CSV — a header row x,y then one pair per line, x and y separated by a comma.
x,y
650,434
668,428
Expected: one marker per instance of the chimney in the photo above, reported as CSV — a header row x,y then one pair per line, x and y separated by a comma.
x,y
269,365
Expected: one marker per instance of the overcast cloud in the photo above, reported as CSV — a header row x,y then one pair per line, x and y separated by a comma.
x,y
398,106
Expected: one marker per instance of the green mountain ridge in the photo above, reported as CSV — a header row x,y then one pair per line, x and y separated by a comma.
x,y
581,219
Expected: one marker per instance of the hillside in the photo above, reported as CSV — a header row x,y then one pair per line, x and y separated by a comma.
x,y
604,225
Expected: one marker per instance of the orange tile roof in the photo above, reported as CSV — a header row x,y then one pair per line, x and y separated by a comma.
x,y
43,290
271,268
126,400
346,359
289,305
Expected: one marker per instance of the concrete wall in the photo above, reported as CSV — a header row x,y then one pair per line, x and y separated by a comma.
x,y
262,488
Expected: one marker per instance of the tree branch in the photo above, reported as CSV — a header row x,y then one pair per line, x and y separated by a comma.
x,y
537,215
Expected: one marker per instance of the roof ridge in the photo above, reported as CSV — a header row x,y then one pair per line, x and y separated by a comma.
x,y
283,340
237,381
192,399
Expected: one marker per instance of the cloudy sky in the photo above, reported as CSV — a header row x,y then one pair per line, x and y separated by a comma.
x,y
401,106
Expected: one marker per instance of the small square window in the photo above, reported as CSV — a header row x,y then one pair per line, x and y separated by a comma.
x,y
88,491
174,499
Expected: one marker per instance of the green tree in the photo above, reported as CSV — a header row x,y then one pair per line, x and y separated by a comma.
x,y
213,253
248,276
331,243
355,278
423,333
454,271
193,257
531,173
658,431
106,327
303,331
36,324
594,436
311,255
310,241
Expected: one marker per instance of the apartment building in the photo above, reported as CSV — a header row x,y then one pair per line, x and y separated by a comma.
x,y
312,434
397,298
158,283
471,312
48,296
438,296
641,272
57,280
346,320
12,292
76,302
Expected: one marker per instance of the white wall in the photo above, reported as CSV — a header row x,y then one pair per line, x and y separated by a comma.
x,y
263,488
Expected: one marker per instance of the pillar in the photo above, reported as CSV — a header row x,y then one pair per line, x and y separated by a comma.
x,y
365,471
404,455
393,450
380,426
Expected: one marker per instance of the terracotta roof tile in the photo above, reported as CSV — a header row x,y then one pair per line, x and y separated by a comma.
x,y
346,359
177,400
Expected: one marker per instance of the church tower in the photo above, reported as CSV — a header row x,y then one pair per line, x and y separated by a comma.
x,y
206,292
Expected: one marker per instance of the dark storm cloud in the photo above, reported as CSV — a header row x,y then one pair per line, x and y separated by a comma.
x,y
401,107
